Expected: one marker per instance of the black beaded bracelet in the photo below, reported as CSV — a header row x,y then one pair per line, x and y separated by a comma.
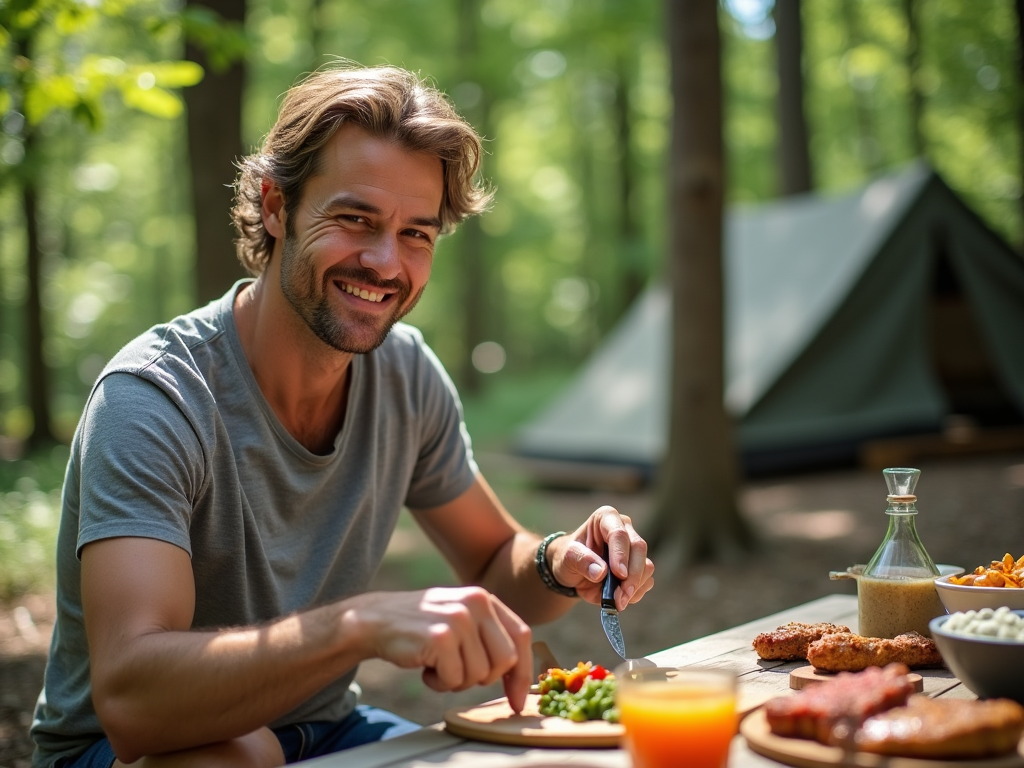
x,y
544,569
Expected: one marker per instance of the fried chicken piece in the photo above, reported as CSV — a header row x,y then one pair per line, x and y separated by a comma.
x,y
948,729
790,641
848,652
846,700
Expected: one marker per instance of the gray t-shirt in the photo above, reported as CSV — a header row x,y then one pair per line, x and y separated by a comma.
x,y
177,443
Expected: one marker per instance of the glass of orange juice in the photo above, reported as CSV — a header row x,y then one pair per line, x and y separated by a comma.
x,y
676,716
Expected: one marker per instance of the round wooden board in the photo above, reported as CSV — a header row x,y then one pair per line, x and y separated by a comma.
x,y
804,753
496,722
801,677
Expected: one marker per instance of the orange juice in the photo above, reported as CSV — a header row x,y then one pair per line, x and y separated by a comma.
x,y
688,721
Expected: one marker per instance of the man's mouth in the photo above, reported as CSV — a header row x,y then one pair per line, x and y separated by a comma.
x,y
362,293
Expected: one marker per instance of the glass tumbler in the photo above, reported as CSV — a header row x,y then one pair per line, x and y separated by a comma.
x,y
675,716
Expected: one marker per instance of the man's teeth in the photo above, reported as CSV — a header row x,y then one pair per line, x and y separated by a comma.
x,y
362,293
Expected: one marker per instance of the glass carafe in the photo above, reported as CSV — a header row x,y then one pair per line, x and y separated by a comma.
x,y
896,592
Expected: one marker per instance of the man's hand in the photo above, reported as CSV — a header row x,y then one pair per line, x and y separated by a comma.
x,y
576,559
460,636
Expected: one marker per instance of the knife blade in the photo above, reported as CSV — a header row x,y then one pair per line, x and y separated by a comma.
x,y
609,613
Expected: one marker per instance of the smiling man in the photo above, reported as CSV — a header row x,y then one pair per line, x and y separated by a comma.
x,y
238,472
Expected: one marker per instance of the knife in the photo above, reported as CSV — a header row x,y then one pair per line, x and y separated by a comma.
x,y
609,613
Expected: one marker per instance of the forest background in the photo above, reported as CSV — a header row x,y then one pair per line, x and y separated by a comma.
x,y
574,101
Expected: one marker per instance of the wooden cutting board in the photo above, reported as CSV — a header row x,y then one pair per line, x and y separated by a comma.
x,y
496,722
801,677
804,753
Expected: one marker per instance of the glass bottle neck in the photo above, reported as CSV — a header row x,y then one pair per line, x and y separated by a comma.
x,y
906,509
901,554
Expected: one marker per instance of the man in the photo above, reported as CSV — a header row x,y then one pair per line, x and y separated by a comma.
x,y
237,473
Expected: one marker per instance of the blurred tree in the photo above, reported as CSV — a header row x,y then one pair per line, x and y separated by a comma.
x,y
914,76
633,270
696,514
1019,7
794,149
471,255
216,41
42,75
870,149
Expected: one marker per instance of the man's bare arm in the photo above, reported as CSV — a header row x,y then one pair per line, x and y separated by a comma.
x,y
486,546
158,687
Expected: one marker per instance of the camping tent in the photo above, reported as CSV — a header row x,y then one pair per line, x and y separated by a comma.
x,y
873,314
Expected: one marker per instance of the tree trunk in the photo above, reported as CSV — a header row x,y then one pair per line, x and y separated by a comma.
x,y
870,150
1020,102
634,274
794,153
696,514
474,276
215,143
38,373
41,435
913,67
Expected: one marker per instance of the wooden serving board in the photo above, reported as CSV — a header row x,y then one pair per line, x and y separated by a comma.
x,y
496,722
801,677
804,753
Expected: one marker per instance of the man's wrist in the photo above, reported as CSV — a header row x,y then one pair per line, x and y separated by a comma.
x,y
547,575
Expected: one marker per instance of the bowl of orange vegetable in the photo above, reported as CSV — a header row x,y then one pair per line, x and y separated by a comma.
x,y
1001,583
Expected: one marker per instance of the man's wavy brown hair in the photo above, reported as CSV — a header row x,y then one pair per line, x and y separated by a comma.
x,y
391,104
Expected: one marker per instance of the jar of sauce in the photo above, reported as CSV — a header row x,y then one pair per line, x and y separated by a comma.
x,y
896,591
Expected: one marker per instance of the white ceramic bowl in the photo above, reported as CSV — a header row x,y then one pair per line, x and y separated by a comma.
x,y
958,597
987,666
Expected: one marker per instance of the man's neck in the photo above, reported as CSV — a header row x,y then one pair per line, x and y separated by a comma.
x,y
304,381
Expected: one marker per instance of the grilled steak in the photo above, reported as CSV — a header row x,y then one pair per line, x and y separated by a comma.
x,y
847,652
847,700
790,641
944,728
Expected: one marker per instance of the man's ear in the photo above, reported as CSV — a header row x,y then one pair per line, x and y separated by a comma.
x,y
273,209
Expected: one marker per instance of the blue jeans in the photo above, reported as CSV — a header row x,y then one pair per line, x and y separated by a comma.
x,y
301,741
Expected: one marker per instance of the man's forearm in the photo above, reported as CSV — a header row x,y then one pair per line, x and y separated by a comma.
x,y
170,690
512,576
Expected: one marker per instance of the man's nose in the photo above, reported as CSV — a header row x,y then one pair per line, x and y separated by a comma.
x,y
381,255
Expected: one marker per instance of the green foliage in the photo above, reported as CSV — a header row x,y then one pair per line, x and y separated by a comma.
x,y
41,73
224,42
29,512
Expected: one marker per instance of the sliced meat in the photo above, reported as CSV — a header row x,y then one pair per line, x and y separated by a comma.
x,y
948,729
846,700
790,641
847,652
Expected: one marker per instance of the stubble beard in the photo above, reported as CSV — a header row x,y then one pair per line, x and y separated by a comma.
x,y
355,334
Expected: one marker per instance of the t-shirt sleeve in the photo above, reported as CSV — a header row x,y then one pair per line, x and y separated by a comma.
x,y
141,464
445,468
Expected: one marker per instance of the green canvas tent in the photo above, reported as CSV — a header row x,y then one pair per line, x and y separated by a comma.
x,y
882,312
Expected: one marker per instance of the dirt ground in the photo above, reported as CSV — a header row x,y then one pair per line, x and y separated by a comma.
x,y
971,511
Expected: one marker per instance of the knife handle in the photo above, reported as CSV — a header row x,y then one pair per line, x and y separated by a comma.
x,y
611,581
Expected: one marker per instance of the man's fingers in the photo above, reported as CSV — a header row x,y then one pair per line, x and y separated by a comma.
x,y
614,530
627,553
644,587
583,562
477,641
638,570
448,670
518,679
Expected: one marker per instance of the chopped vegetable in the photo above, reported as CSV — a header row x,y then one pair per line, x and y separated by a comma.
x,y
584,693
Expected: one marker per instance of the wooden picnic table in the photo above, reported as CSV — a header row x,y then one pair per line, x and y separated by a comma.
x,y
759,680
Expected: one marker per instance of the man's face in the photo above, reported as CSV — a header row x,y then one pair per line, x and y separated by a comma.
x,y
357,252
